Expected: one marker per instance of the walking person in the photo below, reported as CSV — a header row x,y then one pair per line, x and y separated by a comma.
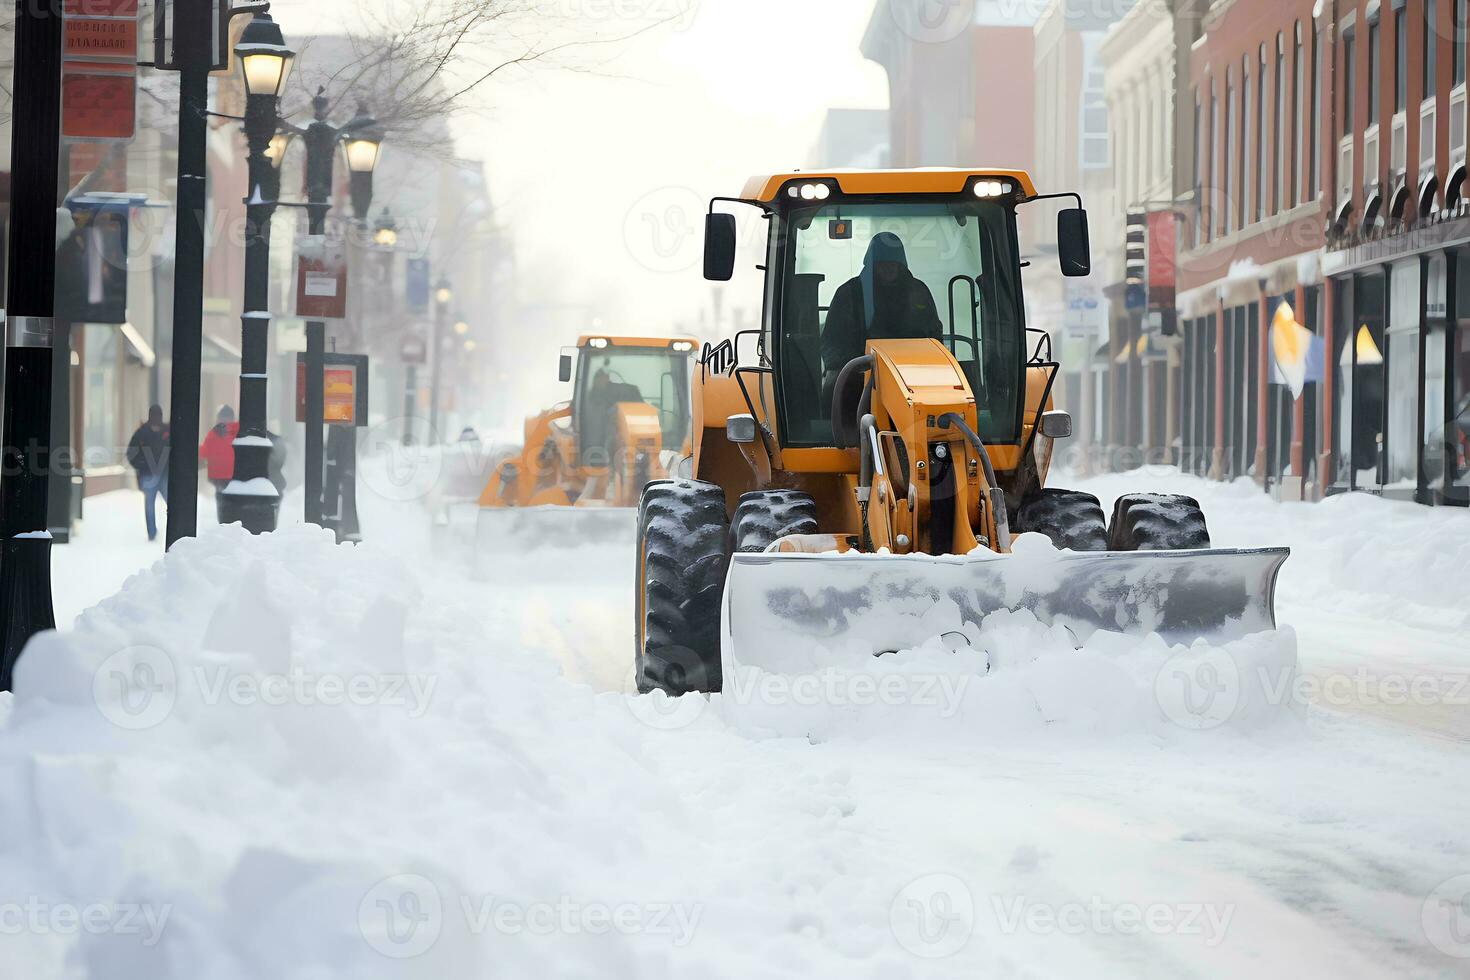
x,y
218,451
148,456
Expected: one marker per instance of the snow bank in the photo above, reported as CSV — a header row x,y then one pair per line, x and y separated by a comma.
x,y
1015,679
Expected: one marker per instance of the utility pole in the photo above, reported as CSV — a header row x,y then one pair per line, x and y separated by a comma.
x,y
25,542
321,144
443,296
193,48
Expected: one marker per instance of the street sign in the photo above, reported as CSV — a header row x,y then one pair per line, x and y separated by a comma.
x,y
344,389
99,102
414,350
99,74
321,278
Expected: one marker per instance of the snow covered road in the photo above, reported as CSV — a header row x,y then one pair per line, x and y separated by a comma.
x,y
280,758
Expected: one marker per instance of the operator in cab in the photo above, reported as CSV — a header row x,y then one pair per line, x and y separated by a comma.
x,y
884,301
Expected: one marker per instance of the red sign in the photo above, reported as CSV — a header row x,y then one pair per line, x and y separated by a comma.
x,y
96,37
321,279
414,350
99,87
101,8
98,101
339,394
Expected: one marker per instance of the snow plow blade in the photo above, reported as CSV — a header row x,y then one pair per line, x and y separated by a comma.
x,y
503,534
797,612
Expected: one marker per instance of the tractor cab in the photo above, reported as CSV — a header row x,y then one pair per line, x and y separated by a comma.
x,y
612,371
902,254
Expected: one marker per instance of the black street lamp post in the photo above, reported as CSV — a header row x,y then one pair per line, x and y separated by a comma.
x,y
443,296
25,551
361,140
250,497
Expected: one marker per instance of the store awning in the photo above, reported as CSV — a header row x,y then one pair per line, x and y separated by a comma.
x,y
140,347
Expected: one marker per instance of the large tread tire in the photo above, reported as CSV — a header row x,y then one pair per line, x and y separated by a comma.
x,y
766,516
682,541
1158,522
1070,518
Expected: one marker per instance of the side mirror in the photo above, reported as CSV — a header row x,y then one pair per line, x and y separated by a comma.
x,y
1073,247
564,370
1056,425
719,247
740,429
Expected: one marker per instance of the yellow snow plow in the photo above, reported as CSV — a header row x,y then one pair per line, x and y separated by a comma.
x,y
858,484
576,477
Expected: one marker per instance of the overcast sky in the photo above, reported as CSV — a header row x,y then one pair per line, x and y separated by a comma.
x,y
604,175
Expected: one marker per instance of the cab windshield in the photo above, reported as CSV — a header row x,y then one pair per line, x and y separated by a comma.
x,y
945,269
611,376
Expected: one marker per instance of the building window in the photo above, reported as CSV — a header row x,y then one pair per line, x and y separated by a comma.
x,y
1349,81
1194,169
1314,129
1244,132
1278,121
1431,48
1212,159
1227,187
1260,136
1457,42
1293,166
1400,62
1373,89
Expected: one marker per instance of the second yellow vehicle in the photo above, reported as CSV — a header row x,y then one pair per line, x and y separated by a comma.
x,y
578,473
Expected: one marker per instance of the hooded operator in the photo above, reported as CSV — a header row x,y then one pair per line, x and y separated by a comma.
x,y
884,301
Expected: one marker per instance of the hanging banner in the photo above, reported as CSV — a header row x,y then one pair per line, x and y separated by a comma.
x,y
1161,266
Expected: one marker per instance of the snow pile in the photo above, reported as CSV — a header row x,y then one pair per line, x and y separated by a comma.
x,y
256,748
1014,678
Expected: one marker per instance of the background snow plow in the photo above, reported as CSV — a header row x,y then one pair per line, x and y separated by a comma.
x,y
857,487
576,477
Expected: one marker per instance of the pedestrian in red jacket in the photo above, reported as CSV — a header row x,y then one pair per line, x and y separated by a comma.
x,y
218,449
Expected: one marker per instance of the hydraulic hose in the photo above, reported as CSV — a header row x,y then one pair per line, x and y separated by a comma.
x,y
997,495
847,437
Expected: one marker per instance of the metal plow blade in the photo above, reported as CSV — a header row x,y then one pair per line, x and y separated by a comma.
x,y
506,535
794,612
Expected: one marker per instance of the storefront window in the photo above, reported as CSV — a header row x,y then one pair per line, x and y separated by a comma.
x,y
1364,361
101,399
1403,377
1456,435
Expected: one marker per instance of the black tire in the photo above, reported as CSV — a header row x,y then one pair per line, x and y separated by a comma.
x,y
682,535
765,516
1070,518
1157,522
